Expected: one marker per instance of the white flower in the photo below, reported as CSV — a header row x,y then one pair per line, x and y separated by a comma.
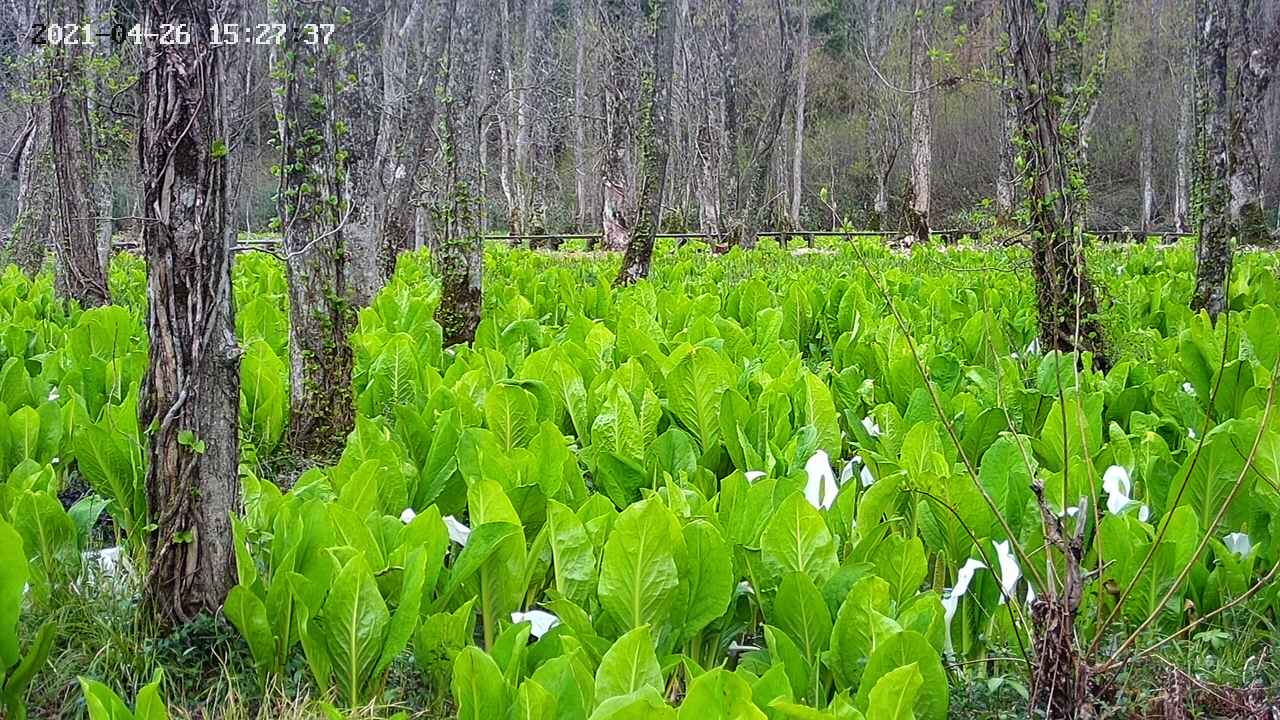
x,y
109,567
872,428
407,516
1010,570
53,394
457,531
55,461
1239,543
1077,510
1031,595
867,479
1115,482
1191,433
540,621
744,588
951,598
1013,355
1186,388
821,489
754,475
1144,513
1034,347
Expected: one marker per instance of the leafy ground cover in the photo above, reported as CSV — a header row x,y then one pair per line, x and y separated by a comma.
x,y
765,485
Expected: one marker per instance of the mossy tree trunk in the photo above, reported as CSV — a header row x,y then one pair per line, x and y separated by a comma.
x,y
190,399
653,140
1212,195
311,204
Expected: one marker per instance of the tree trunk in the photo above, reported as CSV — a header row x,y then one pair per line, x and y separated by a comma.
x,y
1213,196
1258,56
921,127
1146,171
311,204
460,256
1186,131
614,218
655,132
1067,304
767,137
730,170
190,399
581,160
80,274
26,245
797,147
1007,182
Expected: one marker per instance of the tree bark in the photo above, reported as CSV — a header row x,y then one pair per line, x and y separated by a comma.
x,y
797,146
1007,181
1258,54
26,245
581,160
655,132
921,126
1066,301
1213,196
460,254
616,211
190,399
80,274
767,137
1185,138
311,205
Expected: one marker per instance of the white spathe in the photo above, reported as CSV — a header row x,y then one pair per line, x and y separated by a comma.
x,y
540,621
407,516
867,479
457,531
744,588
1239,543
846,473
951,598
872,428
821,489
753,475
1117,485
1010,570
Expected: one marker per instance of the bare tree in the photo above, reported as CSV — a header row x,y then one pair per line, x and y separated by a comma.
x,y
616,210
1255,53
190,400
797,144
917,210
31,164
80,272
653,140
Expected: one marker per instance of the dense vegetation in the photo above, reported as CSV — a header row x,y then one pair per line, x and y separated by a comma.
x,y
777,485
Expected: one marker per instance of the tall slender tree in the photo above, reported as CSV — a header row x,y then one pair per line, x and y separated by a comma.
x,y
190,399
80,272
654,138
1212,196
919,188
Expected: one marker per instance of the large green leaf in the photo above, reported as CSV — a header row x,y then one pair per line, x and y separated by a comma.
x,y
511,413
694,387
628,666
638,577
478,687
719,695
355,620
797,540
908,648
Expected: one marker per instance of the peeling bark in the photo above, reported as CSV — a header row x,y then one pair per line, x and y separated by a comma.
x,y
190,399
919,195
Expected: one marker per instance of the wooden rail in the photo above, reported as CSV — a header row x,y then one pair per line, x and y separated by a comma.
x,y
270,244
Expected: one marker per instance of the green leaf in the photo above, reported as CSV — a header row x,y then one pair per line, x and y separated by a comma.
x,y
801,612
511,413
908,648
797,540
628,666
247,613
638,576
719,695
894,694
706,578
861,624
478,686
13,580
573,555
355,619
694,387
